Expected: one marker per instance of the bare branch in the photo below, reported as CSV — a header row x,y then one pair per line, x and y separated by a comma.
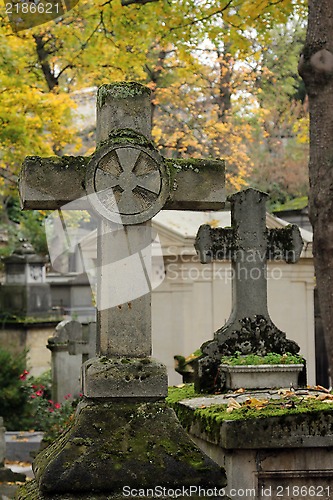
x,y
124,3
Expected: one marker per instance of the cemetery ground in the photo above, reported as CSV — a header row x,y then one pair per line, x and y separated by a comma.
x,y
220,421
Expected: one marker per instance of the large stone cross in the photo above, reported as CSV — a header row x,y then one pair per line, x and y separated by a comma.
x,y
126,182
249,244
123,433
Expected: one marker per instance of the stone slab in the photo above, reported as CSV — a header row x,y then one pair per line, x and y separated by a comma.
x,y
313,429
124,378
287,431
20,445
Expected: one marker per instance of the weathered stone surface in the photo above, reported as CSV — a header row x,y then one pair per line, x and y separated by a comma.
x,y
127,182
123,105
207,192
42,183
124,377
138,444
290,430
203,194
113,442
124,326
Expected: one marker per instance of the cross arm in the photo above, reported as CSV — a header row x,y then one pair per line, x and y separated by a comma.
x,y
214,243
49,183
196,184
221,243
284,243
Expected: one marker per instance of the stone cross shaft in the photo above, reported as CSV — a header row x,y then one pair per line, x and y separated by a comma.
x,y
125,182
249,244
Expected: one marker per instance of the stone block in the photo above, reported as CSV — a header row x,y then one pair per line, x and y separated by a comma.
x,y
261,376
124,378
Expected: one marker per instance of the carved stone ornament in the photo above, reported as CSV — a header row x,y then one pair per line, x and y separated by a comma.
x,y
127,183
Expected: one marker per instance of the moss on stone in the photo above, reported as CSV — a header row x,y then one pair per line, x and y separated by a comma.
x,y
194,164
120,90
209,419
59,162
128,137
112,444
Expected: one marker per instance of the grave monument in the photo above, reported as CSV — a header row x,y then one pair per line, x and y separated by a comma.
x,y
248,243
25,292
71,344
123,434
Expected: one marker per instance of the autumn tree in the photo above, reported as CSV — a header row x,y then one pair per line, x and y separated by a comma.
x,y
185,51
316,68
280,124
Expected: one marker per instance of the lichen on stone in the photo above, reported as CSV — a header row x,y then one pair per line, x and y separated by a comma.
x,y
120,90
129,137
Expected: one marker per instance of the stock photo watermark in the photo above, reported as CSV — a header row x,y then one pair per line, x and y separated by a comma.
x,y
25,14
269,492
128,255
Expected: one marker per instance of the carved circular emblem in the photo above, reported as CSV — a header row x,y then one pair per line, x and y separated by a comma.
x,y
127,184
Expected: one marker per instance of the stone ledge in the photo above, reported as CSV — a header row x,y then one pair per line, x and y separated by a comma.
x,y
312,428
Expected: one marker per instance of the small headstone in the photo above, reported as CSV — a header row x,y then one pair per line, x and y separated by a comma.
x,y
71,344
248,243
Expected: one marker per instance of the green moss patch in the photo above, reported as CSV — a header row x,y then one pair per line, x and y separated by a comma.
x,y
269,359
210,418
120,90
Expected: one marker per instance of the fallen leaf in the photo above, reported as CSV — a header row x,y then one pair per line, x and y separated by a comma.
x,y
322,397
321,388
232,403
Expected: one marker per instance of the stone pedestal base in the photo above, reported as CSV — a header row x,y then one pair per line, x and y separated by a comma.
x,y
114,448
124,378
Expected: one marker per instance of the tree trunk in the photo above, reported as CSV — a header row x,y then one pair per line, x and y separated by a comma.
x,y
316,69
223,99
43,58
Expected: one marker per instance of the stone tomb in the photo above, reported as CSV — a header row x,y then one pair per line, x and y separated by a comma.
x,y
25,292
248,244
123,433
276,456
